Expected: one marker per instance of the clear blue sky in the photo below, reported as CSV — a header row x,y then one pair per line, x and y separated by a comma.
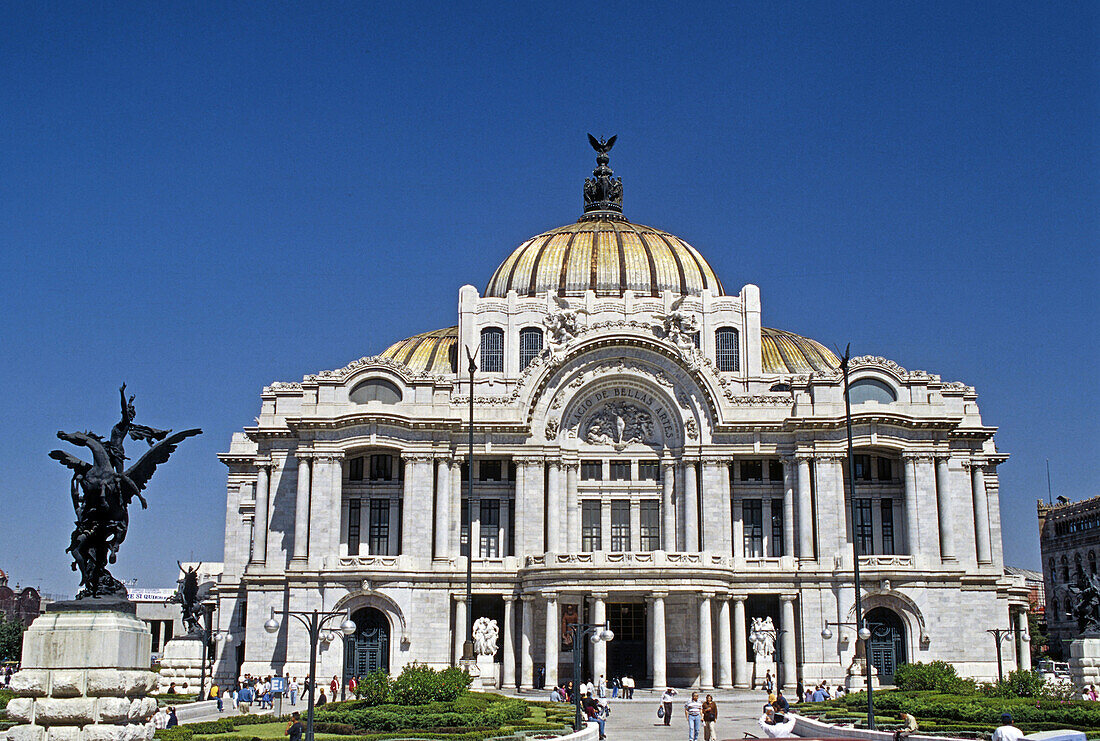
x,y
202,198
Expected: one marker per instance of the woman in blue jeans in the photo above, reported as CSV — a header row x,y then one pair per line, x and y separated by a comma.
x,y
693,711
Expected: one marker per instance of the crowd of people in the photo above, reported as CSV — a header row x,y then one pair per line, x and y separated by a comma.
x,y
617,687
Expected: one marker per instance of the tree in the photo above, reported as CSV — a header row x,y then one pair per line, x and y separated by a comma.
x,y
11,639
1038,639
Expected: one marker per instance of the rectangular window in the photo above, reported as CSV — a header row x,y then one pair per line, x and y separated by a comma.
x,y
865,531
650,526
775,545
885,469
887,514
620,470
862,465
378,530
752,470
752,513
489,470
381,467
355,469
592,470
530,345
353,527
775,470
627,620
649,471
620,526
490,528
590,525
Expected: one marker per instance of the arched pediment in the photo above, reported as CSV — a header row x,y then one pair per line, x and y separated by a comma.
x,y
899,603
367,597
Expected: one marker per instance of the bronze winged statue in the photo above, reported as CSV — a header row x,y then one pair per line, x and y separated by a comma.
x,y
190,595
601,145
102,491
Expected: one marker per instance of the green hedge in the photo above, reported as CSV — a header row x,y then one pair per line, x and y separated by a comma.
x,y
418,684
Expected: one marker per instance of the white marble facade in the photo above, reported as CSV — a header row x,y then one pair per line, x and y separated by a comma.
x,y
625,473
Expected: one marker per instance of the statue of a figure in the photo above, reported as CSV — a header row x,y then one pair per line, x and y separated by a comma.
x,y
190,595
764,642
102,491
679,327
563,324
1085,599
485,636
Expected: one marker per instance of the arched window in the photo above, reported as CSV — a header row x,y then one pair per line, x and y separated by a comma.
x,y
1053,572
728,354
530,345
492,350
871,389
1065,569
375,389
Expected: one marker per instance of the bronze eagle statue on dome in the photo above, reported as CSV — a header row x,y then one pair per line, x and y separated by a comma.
x,y
102,491
600,145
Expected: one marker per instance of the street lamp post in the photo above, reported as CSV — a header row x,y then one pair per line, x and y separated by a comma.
x,y
580,631
314,622
855,545
999,637
468,644
208,634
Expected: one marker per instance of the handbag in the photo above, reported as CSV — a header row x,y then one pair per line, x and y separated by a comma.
x,y
660,711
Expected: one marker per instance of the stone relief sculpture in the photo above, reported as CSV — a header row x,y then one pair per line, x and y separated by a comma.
x,y
764,643
102,491
561,325
618,424
678,326
485,636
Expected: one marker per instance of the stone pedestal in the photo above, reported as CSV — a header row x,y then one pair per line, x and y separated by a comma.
x,y
489,671
856,680
85,677
760,671
181,663
1084,660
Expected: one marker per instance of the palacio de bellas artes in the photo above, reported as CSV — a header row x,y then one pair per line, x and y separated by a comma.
x,y
645,453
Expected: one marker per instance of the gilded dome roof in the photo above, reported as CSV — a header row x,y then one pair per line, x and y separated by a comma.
x,y
429,352
787,352
606,255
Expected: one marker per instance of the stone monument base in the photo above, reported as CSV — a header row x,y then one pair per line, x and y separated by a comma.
x,y
85,677
490,673
856,680
760,671
181,663
1084,660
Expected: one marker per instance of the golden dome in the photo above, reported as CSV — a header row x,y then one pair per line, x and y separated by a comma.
x,y
787,352
606,255
428,352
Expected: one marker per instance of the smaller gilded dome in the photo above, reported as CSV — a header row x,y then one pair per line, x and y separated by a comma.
x,y
429,352
787,352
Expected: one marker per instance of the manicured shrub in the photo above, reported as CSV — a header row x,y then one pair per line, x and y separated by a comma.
x,y
374,688
936,675
178,733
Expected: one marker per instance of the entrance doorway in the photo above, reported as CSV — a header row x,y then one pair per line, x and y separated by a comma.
x,y
626,654
887,644
368,648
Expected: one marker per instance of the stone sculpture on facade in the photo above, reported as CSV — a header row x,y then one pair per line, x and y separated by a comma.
x,y
619,424
562,324
1085,602
763,645
486,633
678,326
102,491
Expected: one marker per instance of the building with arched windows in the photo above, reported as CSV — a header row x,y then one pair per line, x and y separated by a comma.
x,y
646,453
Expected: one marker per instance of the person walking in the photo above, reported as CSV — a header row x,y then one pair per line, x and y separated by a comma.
x,y
710,719
769,683
294,688
693,711
601,687
294,727
666,704
629,684
173,721
334,686
215,694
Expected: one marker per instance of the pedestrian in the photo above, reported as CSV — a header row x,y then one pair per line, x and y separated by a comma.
x,y
781,704
593,713
321,699
334,686
294,727
1007,731
819,694
173,721
909,729
630,687
160,719
215,694
666,704
693,711
614,687
293,690
601,687
353,684
710,719
172,688
769,683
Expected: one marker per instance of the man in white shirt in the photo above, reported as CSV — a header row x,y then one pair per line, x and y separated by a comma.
x,y
1007,731
693,711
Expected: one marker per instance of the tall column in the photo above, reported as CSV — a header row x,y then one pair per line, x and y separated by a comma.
x,y
443,508
260,523
552,641
981,512
725,647
454,528
605,525
475,527
706,643
691,508
788,506
553,509
805,510
509,678
527,642
668,514
741,676
599,649
301,511
788,676
943,501
716,504
460,625
635,525
393,541
1023,649
766,521
326,504
659,666
912,534
417,496
502,528
572,509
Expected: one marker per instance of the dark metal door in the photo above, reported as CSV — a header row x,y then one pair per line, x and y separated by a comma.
x,y
887,644
626,654
368,648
